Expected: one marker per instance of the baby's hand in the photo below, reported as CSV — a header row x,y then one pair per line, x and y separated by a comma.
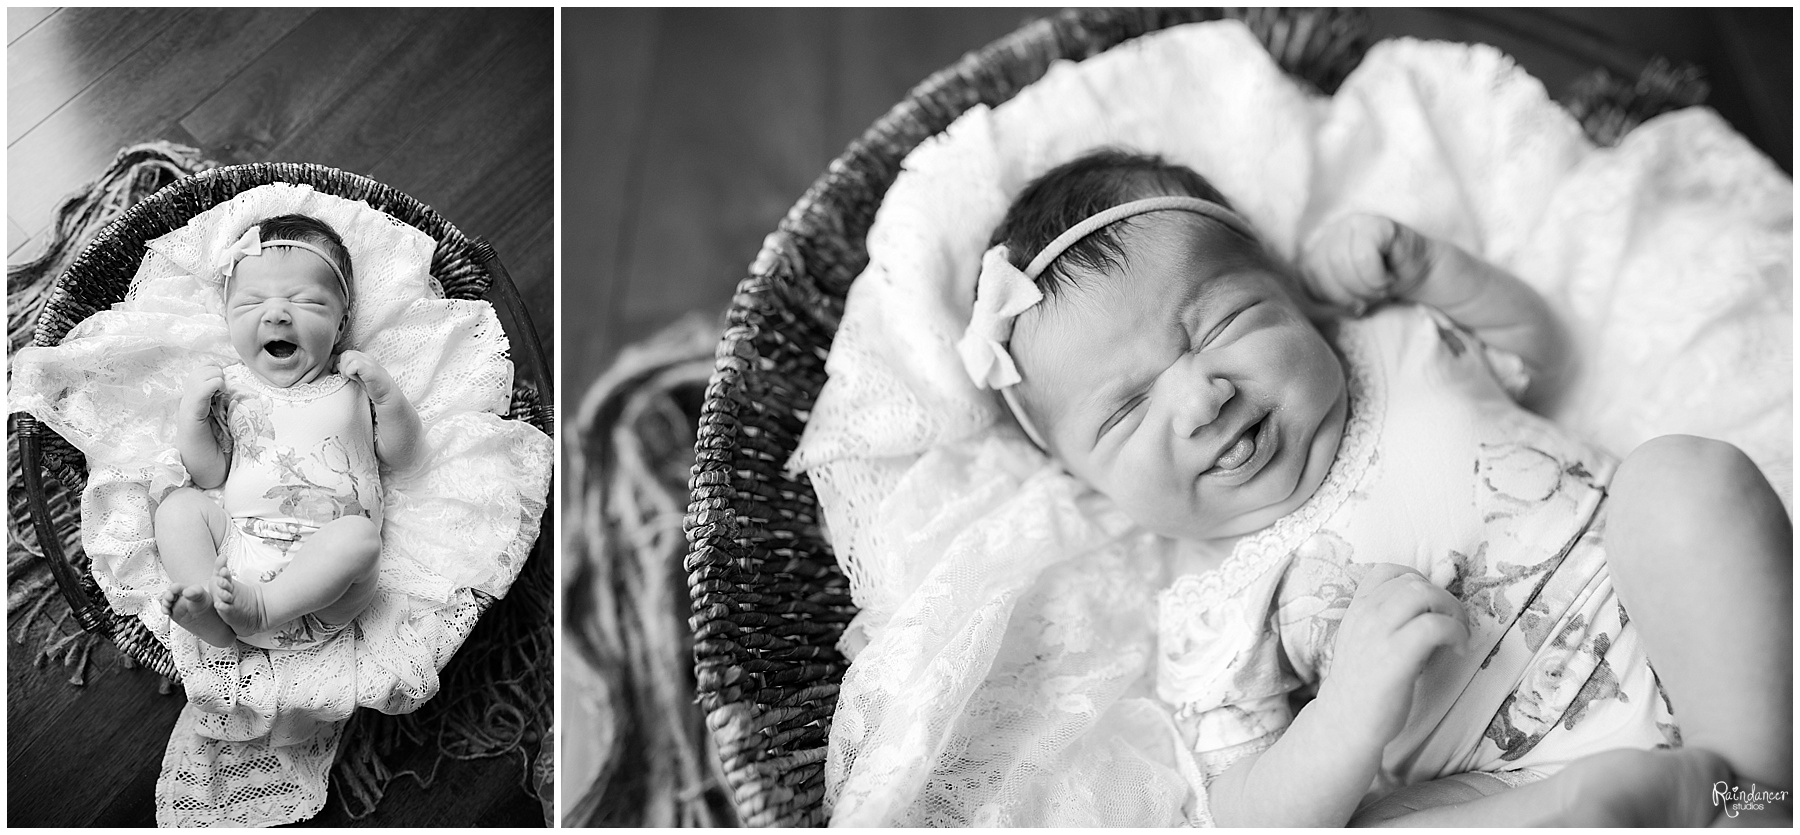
x,y
198,390
375,380
1361,260
1395,622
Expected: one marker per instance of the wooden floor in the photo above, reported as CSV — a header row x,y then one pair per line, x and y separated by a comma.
x,y
688,133
455,108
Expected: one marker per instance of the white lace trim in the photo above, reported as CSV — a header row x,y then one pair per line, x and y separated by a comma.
x,y
297,393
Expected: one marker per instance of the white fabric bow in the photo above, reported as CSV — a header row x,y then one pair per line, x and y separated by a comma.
x,y
247,245
1001,293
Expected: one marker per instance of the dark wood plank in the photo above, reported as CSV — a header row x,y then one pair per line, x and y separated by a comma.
x,y
66,53
745,109
412,86
301,77
606,84
20,21
885,52
195,55
727,151
505,196
49,722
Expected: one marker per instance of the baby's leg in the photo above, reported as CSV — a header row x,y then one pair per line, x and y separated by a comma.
x,y
1626,787
333,576
189,528
1700,551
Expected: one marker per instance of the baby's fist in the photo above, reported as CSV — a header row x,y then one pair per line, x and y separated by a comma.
x,y
374,379
1359,260
1395,622
198,389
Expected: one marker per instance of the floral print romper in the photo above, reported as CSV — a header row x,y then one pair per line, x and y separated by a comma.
x,y
1439,469
301,457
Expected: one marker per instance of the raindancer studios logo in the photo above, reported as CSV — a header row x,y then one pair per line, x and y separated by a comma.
x,y
1736,800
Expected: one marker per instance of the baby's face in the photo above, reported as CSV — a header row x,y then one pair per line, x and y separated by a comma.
x,y
284,313
1190,388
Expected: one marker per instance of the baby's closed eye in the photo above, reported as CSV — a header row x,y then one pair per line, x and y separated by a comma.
x,y
1219,328
1127,410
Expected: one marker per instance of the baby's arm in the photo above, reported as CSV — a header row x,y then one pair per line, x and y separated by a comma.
x,y
195,442
1365,259
1323,764
398,430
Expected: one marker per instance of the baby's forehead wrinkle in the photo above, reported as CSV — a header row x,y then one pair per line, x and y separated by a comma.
x,y
311,270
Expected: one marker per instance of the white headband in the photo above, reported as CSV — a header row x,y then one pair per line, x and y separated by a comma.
x,y
1003,292
252,244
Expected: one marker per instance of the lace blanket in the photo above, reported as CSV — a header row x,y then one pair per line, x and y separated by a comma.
x,y
1004,642
260,730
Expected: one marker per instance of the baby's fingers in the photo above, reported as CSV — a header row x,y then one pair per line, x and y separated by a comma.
x,y
1343,263
1394,595
1427,633
1378,574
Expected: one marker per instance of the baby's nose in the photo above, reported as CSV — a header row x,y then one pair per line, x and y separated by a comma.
x,y
275,312
1202,404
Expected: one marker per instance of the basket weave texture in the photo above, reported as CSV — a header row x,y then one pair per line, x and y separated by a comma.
x,y
102,273
769,601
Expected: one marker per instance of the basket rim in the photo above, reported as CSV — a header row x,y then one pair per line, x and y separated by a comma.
x,y
53,325
121,231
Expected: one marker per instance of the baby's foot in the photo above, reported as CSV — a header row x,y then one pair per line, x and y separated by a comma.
x,y
239,603
191,607
1667,787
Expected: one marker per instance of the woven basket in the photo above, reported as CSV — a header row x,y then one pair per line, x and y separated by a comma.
x,y
100,276
769,601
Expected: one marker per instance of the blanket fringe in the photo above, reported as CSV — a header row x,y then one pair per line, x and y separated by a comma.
x,y
626,603
135,173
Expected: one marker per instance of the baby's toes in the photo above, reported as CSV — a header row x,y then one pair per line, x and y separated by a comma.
x,y
222,587
193,596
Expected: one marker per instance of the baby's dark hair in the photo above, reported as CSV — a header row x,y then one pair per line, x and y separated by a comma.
x,y
310,230
1079,189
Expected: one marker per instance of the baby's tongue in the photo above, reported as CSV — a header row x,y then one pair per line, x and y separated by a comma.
x,y
1238,453
280,350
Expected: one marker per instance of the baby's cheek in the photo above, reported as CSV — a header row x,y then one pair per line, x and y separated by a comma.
x,y
1153,502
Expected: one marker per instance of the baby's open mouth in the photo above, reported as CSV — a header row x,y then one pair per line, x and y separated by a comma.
x,y
280,349
1240,450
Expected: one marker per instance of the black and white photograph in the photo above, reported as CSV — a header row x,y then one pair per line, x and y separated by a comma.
x,y
589,416
281,329
1124,417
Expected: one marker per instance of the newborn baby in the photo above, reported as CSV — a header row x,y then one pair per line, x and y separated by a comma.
x,y
1455,592
296,432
